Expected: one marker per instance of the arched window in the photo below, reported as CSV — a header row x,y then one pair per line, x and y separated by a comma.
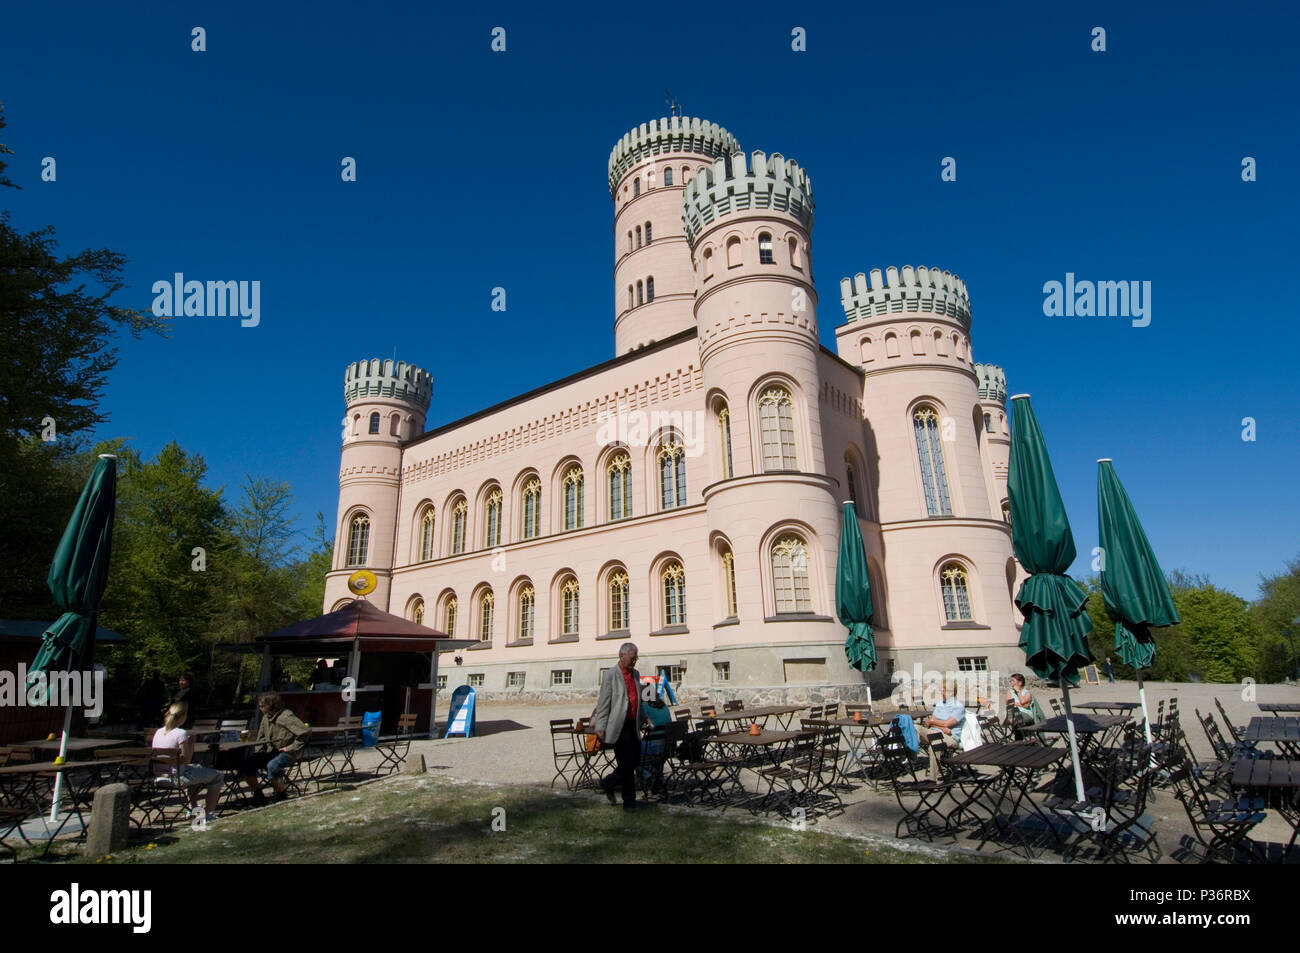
x,y
618,600
426,535
1006,512
636,187
569,594
630,246
647,233
686,172
724,438
776,426
650,288
765,249
493,535
395,425
638,236
674,583
708,263
891,344
929,447
729,581
851,481
417,612
458,514
940,346
918,346
573,498
532,508
794,253
790,575
486,611
631,302
620,487
672,475
449,617
374,422
988,423
358,540
956,593
668,176
527,607
733,252
640,293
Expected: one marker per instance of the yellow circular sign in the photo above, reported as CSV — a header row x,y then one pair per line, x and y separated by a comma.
x,y
362,582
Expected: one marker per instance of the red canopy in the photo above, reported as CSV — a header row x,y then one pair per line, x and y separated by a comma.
x,y
377,631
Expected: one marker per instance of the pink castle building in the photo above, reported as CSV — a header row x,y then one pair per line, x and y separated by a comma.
x,y
686,494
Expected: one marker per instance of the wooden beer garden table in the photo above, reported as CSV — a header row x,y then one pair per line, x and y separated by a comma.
x,y
1274,773
782,713
1122,708
76,746
1018,765
1283,732
31,787
770,745
1280,708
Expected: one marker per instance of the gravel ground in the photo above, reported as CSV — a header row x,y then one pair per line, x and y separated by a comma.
x,y
513,746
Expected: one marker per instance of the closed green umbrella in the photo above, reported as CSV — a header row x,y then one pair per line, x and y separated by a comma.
x,y
853,593
1054,635
76,580
1136,594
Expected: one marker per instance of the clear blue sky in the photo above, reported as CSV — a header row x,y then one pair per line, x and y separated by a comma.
x,y
1117,165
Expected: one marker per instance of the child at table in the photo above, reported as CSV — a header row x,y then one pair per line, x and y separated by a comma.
x,y
190,776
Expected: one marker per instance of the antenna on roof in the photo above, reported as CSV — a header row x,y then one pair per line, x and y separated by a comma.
x,y
674,107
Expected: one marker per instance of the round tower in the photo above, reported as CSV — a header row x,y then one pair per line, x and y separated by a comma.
x,y
648,170
386,403
948,550
996,442
748,221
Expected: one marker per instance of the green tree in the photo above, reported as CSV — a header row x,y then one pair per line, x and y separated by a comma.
x,y
1219,628
1173,661
1274,612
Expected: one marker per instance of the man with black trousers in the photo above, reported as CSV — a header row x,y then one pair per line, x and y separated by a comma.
x,y
617,721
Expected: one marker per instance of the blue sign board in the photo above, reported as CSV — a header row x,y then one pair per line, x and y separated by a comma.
x,y
460,719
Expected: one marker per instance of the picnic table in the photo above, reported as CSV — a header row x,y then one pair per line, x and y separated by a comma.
x,y
1280,708
782,713
1283,732
76,746
1274,773
1018,765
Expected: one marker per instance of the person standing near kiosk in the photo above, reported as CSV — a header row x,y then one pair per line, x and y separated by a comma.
x,y
616,721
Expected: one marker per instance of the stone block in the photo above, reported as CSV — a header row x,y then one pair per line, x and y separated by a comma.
x,y
414,764
110,820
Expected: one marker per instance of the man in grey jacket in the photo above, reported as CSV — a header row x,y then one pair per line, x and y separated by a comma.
x,y
616,721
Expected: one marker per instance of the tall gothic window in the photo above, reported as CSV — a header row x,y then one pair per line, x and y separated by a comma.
x,y
486,610
724,437
647,233
668,176
765,249
570,596
729,581
374,422
449,618
358,540
929,447
620,487
527,609
640,293
493,535
674,582
636,187
650,289
790,575
776,426
956,593
573,498
458,514
417,612
672,475
618,601
638,236
532,508
426,535
851,486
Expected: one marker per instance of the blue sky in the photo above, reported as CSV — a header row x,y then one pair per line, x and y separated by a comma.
x,y
1122,165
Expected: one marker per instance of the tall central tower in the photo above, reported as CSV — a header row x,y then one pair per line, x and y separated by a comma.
x,y
654,286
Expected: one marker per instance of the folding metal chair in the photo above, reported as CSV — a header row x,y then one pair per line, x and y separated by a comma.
x,y
392,749
564,751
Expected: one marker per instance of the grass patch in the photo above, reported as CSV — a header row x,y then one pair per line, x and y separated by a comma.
x,y
438,819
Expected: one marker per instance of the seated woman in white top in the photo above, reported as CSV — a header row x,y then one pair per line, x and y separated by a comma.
x,y
171,735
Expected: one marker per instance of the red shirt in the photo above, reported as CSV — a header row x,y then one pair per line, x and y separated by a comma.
x,y
632,696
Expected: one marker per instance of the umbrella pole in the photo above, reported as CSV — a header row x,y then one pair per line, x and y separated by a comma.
x,y
1074,741
433,694
1142,697
63,755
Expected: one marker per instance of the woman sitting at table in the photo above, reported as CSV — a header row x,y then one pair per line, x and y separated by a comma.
x,y
190,776
1020,703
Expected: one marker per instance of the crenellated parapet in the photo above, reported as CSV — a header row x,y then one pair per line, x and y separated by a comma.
x,y
386,378
992,383
735,185
915,290
675,134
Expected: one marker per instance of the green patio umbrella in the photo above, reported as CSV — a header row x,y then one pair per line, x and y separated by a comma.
x,y
76,580
853,593
1054,635
1136,594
